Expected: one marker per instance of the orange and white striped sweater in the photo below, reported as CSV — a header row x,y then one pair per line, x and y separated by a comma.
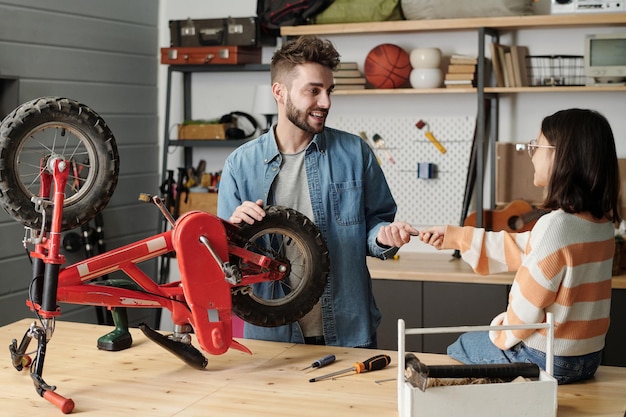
x,y
563,266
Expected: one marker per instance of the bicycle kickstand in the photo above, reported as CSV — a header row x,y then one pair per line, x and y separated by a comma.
x,y
21,360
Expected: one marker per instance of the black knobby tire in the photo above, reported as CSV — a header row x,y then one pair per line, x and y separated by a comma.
x,y
50,127
284,234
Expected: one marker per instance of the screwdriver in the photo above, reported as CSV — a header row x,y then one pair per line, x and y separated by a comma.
x,y
374,363
321,362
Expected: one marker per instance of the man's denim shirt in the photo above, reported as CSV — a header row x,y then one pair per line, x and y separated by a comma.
x,y
351,201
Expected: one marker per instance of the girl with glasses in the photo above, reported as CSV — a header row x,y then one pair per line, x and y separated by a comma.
x,y
563,265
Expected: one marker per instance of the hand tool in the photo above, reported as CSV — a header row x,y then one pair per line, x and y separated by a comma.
x,y
371,145
430,136
321,362
380,144
374,363
417,373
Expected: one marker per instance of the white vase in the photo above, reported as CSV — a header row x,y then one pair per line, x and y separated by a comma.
x,y
425,58
426,78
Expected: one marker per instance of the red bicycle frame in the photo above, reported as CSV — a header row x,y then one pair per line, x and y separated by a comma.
x,y
202,298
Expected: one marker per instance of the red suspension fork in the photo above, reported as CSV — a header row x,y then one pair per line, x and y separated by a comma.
x,y
49,249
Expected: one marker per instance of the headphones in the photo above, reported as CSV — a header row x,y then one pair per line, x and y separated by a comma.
x,y
235,132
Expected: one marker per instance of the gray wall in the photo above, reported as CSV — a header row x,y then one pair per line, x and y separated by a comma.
x,y
104,54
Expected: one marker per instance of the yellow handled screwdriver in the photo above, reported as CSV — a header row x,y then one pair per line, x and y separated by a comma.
x,y
374,363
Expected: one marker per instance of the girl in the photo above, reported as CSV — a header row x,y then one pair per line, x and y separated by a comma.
x,y
563,265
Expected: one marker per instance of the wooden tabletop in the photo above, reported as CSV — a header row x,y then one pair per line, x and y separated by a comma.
x,y
416,266
146,380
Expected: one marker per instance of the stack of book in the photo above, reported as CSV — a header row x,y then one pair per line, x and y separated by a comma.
x,y
348,77
461,72
509,65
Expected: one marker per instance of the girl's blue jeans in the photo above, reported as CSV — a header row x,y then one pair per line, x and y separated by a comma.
x,y
477,348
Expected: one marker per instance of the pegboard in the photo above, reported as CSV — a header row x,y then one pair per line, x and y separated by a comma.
x,y
421,201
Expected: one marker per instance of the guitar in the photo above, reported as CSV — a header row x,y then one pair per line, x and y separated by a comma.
x,y
517,216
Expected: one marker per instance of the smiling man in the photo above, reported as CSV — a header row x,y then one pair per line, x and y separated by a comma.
x,y
330,176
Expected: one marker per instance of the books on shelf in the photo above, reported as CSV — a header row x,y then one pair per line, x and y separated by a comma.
x,y
463,68
349,87
471,76
461,72
509,65
464,59
350,65
347,73
458,83
520,70
348,77
350,80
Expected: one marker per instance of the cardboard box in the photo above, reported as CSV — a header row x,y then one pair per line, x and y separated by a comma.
x,y
198,201
202,131
515,174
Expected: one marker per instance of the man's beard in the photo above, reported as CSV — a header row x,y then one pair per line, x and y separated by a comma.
x,y
299,118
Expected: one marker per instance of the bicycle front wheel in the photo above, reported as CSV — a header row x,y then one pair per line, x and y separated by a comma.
x,y
289,236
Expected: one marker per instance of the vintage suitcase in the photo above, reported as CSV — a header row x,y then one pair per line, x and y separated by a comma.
x,y
211,55
236,31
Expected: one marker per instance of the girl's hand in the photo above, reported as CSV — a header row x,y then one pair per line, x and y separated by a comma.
x,y
433,236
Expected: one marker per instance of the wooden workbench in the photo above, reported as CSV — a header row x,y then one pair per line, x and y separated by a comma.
x,y
441,267
146,380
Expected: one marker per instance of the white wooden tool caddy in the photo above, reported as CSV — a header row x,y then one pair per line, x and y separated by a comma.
x,y
511,399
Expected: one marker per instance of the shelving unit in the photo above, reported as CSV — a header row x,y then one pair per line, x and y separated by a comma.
x,y
486,27
187,71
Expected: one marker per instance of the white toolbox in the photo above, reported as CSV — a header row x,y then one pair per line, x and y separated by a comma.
x,y
512,399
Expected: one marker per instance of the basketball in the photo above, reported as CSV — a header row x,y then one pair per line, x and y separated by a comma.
x,y
387,66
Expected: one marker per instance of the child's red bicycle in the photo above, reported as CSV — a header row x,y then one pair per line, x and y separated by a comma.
x,y
58,168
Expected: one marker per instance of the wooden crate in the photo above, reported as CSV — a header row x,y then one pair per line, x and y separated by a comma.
x,y
198,201
201,131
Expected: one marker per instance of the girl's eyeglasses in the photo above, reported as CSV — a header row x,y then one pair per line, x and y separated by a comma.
x,y
532,147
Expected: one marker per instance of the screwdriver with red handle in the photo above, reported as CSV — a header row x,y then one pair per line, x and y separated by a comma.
x,y
374,363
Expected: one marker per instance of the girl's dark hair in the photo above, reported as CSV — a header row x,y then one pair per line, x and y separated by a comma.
x,y
304,49
585,175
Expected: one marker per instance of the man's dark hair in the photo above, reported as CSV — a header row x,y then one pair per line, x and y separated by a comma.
x,y
300,51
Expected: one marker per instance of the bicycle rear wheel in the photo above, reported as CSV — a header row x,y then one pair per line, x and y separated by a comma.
x,y
286,235
53,127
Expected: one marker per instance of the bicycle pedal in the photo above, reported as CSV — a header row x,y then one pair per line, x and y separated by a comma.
x,y
186,352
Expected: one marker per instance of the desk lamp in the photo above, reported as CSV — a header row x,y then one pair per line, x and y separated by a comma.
x,y
265,104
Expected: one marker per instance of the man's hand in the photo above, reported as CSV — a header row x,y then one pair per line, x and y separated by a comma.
x,y
396,234
434,236
248,212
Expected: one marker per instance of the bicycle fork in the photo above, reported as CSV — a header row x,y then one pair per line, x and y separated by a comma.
x,y
43,291
21,360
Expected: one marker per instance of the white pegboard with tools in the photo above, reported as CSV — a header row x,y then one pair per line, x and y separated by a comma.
x,y
432,194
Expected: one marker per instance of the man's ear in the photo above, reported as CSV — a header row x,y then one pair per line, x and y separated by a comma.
x,y
279,92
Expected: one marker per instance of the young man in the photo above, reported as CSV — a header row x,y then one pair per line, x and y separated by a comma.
x,y
329,175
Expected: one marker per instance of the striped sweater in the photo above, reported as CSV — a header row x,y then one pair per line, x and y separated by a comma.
x,y
563,265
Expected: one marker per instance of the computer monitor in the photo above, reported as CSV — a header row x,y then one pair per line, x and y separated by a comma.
x,y
605,58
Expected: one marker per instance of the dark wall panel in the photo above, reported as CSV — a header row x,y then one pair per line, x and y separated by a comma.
x,y
103,54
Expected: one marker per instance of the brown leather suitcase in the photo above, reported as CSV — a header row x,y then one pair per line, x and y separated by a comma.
x,y
236,31
211,55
